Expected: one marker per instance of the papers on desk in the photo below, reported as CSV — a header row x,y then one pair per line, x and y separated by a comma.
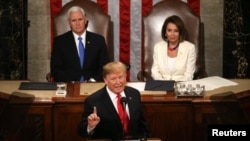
x,y
212,82
137,85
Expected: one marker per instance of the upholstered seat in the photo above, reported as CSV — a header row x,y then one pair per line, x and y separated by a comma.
x,y
152,24
98,22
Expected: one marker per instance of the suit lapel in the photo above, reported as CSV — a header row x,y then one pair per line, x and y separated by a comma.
x,y
89,49
130,103
179,55
88,39
73,47
163,57
110,107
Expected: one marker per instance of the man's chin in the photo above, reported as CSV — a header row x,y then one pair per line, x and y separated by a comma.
x,y
79,32
118,90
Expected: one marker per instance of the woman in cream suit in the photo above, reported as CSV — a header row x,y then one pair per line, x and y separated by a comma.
x,y
174,58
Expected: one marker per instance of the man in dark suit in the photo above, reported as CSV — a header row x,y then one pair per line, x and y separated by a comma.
x,y
101,118
66,64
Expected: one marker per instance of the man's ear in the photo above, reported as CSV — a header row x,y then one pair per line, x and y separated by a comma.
x,y
69,23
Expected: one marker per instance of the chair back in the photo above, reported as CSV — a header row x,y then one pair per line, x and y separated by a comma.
x,y
152,25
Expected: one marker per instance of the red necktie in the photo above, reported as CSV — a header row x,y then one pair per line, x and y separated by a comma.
x,y
124,118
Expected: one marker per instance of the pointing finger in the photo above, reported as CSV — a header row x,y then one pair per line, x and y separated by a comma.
x,y
94,110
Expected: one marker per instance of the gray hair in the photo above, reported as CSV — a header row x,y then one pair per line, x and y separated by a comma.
x,y
75,9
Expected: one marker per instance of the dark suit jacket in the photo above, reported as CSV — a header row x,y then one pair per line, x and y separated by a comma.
x,y
110,126
65,63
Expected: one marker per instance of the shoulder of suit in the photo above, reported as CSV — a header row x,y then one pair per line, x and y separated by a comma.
x,y
89,33
129,88
66,34
161,43
187,43
98,94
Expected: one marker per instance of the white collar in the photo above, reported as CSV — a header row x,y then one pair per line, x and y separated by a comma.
x,y
113,95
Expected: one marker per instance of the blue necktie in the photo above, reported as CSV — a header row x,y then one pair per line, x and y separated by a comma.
x,y
81,54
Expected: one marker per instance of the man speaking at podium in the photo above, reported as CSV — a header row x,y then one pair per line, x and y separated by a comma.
x,y
115,111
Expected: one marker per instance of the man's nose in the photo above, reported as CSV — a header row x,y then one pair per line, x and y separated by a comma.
x,y
117,81
77,22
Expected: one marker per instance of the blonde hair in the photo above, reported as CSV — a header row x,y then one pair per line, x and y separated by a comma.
x,y
113,67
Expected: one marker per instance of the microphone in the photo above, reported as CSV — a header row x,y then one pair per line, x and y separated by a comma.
x,y
124,102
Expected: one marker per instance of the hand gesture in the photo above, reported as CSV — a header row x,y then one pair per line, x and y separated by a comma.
x,y
93,119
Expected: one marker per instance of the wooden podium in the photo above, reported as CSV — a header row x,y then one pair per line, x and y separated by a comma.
x,y
56,118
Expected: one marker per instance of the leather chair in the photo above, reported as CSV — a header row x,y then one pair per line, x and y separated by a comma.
x,y
152,24
98,22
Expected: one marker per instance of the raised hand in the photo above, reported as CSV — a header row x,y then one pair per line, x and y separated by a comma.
x,y
93,119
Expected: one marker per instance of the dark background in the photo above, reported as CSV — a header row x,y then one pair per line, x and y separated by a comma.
x,y
236,48
13,39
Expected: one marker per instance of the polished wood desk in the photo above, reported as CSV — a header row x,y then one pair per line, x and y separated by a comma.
x,y
55,118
